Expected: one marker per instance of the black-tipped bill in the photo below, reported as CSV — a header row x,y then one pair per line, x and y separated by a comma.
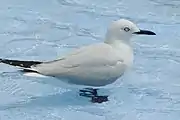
x,y
145,32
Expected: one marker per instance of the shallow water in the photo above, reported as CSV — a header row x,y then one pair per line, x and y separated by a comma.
x,y
44,30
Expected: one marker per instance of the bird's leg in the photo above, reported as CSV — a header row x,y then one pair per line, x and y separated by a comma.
x,y
93,94
88,92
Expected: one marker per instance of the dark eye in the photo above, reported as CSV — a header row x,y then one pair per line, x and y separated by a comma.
x,y
126,29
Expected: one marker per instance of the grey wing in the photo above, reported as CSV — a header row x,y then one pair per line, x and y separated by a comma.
x,y
90,59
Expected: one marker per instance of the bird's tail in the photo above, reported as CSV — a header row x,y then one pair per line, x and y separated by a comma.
x,y
26,66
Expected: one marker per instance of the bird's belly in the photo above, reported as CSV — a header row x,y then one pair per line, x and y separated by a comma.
x,y
94,76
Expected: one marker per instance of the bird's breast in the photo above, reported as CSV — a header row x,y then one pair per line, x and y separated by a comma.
x,y
125,56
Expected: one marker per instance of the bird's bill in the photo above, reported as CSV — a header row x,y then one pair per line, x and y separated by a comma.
x,y
145,32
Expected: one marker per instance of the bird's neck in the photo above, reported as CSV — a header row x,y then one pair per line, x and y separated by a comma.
x,y
119,43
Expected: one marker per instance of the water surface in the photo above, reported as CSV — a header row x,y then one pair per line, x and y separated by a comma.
x,y
45,30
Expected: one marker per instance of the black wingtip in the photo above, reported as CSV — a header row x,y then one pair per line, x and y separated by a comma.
x,y
25,64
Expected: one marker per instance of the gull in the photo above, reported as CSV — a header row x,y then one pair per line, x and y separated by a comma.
x,y
95,65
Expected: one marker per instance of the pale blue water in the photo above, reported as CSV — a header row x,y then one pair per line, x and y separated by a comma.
x,y
46,29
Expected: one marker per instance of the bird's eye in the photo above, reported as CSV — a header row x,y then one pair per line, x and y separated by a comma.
x,y
126,29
